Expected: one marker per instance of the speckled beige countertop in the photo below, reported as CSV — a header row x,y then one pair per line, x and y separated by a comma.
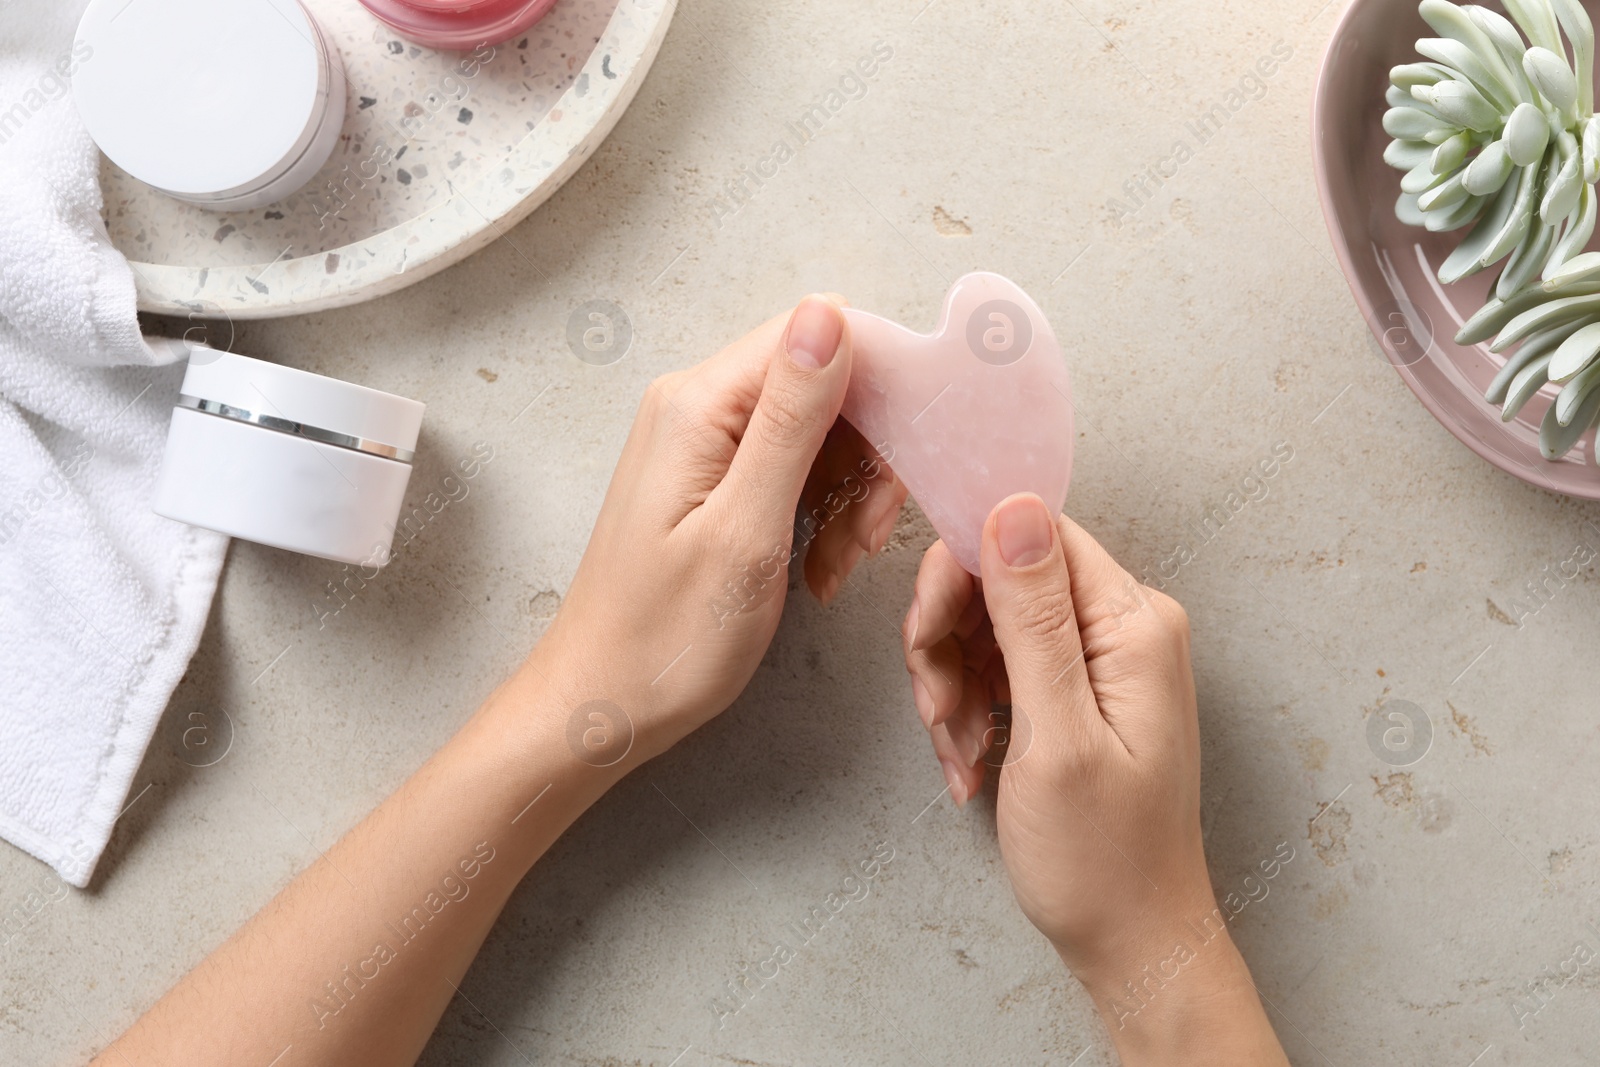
x,y
1208,329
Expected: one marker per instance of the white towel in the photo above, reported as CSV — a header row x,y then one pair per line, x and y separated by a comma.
x,y
101,601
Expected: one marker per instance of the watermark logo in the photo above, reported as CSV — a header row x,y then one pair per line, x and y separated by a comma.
x,y
757,583
999,332
210,331
1215,516
1008,737
1142,187
1399,733
206,737
599,733
452,887
599,332
796,935
1406,335
738,191
341,591
55,84
1141,990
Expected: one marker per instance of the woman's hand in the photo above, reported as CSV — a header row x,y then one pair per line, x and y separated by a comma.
x,y
1099,795
684,579
671,609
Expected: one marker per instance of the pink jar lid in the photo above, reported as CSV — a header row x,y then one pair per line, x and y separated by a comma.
x,y
454,7
458,24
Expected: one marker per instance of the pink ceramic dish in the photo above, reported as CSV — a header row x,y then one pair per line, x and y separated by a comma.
x,y
458,25
1391,266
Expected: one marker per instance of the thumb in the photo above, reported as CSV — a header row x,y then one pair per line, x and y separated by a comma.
x,y
800,399
1028,591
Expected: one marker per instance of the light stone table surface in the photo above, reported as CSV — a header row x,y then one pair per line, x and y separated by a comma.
x,y
1208,330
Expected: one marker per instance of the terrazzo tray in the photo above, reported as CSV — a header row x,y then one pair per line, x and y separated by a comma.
x,y
441,153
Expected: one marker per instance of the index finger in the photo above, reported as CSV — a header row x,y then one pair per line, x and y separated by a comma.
x,y
932,635
942,599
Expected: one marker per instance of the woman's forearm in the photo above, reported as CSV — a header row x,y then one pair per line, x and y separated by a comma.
x,y
1193,1004
356,959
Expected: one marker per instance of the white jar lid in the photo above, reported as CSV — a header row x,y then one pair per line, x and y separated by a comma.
x,y
201,97
284,399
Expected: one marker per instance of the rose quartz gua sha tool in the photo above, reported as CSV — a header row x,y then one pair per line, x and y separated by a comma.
x,y
967,415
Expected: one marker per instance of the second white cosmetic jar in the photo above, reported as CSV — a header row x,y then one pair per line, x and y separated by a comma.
x,y
288,458
227,104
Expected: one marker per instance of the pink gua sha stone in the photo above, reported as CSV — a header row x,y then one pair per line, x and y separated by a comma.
x,y
967,415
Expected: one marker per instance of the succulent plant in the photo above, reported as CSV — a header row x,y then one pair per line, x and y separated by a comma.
x,y
1500,131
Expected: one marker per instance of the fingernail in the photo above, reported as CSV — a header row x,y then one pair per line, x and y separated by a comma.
x,y
910,627
849,556
815,330
975,749
1024,530
924,699
958,789
868,539
880,536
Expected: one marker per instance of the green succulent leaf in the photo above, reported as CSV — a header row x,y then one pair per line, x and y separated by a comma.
x,y
1471,255
1408,155
1557,438
1579,228
1574,393
1408,74
1527,133
1508,42
1575,353
1543,315
1468,67
1529,380
1452,22
1580,31
1446,194
1528,259
1580,268
1485,174
1538,344
1496,313
1413,124
1553,78
1561,196
1450,155
1537,20
1461,103
1421,178
1454,216
1515,234
1407,211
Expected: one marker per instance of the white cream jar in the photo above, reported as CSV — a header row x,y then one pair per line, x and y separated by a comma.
x,y
228,104
288,458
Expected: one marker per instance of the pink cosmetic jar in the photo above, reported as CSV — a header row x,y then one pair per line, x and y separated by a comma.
x,y
226,104
287,458
458,25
